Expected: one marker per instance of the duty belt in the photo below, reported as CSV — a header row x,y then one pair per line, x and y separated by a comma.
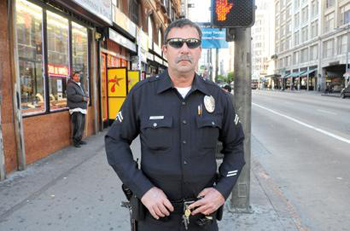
x,y
181,208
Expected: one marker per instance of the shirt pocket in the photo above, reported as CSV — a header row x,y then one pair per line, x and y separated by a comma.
x,y
157,134
208,131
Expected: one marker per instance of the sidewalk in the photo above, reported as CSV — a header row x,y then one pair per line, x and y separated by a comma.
x,y
75,189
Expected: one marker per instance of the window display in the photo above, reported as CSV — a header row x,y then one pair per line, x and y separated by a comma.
x,y
67,51
29,33
80,53
58,59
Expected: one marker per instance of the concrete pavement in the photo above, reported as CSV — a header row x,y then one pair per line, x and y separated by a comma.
x,y
75,189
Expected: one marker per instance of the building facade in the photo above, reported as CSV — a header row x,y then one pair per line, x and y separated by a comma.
x,y
44,42
312,43
263,46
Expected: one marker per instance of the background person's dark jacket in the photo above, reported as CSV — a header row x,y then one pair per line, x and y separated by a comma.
x,y
75,95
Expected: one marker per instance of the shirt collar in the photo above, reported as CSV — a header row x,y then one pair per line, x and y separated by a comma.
x,y
165,83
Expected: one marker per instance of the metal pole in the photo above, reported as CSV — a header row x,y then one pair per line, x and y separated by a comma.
x,y
2,154
217,65
17,90
347,54
95,76
319,69
240,200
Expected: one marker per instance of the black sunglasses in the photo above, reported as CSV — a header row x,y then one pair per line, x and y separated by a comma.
x,y
191,43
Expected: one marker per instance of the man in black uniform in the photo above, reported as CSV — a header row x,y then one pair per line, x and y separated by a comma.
x,y
179,117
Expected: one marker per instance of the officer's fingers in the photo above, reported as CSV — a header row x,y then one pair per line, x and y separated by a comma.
x,y
168,205
158,212
198,210
204,192
197,204
152,212
207,212
163,210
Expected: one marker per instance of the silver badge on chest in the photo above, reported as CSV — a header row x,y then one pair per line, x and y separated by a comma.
x,y
209,103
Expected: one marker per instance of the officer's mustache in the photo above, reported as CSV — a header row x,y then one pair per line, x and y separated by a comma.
x,y
184,58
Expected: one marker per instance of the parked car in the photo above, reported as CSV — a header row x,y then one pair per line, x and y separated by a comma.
x,y
345,92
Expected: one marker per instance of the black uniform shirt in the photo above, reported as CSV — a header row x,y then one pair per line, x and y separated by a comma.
x,y
178,139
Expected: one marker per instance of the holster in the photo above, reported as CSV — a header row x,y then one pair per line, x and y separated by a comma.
x,y
219,213
138,210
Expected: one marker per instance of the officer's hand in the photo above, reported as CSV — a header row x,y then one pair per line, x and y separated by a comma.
x,y
157,203
211,201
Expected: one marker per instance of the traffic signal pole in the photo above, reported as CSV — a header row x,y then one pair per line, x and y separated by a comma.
x,y
237,17
240,199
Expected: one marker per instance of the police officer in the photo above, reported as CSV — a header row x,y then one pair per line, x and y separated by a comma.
x,y
179,117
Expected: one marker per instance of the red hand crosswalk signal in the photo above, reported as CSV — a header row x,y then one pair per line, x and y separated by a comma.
x,y
233,13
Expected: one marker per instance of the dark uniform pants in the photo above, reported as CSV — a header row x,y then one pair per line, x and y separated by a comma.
x,y
173,223
78,125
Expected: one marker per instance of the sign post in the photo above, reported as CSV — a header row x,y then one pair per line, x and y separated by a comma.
x,y
237,16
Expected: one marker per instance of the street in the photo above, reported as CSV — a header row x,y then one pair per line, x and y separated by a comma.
x,y
306,142
299,175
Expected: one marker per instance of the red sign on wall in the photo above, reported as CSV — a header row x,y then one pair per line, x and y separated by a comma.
x,y
55,70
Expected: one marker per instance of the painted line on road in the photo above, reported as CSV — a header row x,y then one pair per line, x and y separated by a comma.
x,y
328,112
305,124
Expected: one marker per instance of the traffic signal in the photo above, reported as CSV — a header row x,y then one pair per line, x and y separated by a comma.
x,y
233,13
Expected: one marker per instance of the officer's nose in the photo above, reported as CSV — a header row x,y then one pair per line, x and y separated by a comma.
x,y
184,49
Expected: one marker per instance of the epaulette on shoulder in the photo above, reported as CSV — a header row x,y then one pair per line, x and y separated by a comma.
x,y
145,81
153,78
209,82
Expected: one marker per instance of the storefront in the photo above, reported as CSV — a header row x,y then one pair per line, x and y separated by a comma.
x,y
116,51
50,41
65,51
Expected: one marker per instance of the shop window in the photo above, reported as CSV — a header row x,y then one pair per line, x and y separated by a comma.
x,y
80,53
124,63
113,61
29,33
58,59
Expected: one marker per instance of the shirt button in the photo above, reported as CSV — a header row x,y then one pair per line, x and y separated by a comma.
x,y
185,162
155,125
213,123
184,122
183,103
184,142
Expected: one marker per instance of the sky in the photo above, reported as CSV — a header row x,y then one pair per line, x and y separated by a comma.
x,y
200,12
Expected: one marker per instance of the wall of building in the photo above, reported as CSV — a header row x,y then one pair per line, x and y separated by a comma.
x,y
6,73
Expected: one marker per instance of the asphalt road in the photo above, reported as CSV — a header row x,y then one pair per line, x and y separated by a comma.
x,y
306,138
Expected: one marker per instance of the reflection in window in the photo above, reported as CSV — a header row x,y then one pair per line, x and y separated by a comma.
x,y
58,59
29,28
80,53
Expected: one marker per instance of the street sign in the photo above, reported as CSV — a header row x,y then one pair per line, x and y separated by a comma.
x,y
214,38
233,13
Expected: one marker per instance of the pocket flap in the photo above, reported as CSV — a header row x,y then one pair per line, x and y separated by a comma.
x,y
208,122
166,122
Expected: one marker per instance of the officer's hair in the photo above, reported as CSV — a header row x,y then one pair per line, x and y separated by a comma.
x,y
180,23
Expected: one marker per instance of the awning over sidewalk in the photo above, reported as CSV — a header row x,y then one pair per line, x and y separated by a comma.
x,y
307,72
295,74
286,76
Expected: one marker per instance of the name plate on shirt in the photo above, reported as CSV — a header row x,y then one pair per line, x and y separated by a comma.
x,y
156,117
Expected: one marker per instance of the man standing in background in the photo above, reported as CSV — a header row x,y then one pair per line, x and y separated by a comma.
x,y
77,102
